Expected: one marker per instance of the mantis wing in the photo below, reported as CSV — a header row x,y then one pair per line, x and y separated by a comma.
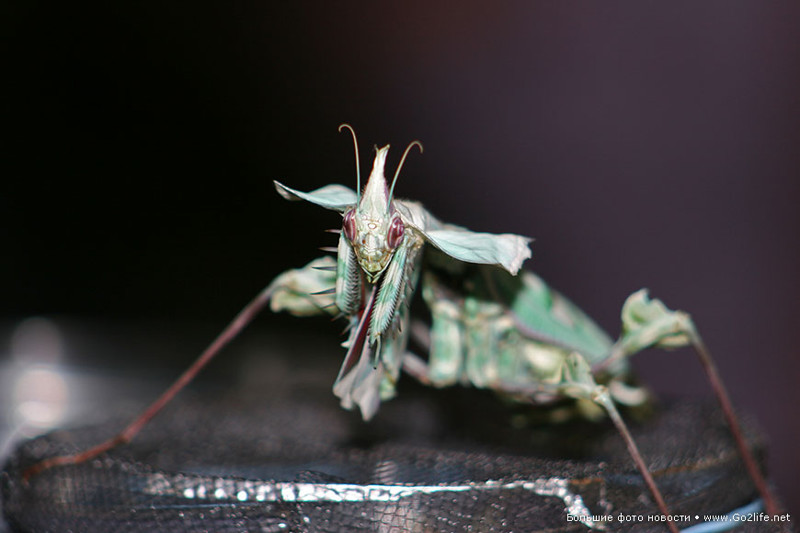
x,y
543,314
333,197
506,250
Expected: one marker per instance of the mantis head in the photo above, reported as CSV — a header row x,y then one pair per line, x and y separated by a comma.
x,y
373,226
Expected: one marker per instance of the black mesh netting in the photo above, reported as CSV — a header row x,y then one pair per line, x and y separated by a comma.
x,y
454,460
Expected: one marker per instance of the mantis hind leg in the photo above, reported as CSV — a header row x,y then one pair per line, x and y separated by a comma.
x,y
576,381
649,323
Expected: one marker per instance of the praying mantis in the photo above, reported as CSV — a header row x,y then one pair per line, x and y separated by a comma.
x,y
492,325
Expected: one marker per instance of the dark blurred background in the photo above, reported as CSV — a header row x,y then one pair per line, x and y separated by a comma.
x,y
642,144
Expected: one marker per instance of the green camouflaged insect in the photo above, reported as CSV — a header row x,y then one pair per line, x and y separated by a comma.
x,y
492,326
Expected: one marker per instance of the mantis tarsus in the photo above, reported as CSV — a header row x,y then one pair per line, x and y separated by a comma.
x,y
492,326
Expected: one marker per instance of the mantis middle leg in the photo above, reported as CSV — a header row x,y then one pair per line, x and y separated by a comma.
x,y
576,382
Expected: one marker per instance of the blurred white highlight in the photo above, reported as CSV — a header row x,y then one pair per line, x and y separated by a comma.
x,y
39,391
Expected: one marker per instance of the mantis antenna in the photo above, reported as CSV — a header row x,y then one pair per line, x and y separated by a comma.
x,y
403,160
358,165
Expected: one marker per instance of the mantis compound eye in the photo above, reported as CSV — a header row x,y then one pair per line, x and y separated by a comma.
x,y
396,232
349,225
